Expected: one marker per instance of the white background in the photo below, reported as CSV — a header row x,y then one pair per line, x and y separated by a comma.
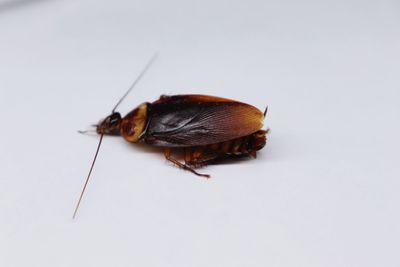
x,y
324,192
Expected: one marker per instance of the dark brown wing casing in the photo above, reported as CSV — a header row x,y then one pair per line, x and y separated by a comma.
x,y
195,120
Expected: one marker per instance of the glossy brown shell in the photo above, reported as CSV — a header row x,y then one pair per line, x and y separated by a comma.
x,y
195,120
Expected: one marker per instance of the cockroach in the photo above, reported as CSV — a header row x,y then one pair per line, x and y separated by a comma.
x,y
205,128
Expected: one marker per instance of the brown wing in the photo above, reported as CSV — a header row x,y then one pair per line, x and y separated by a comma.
x,y
177,99
192,120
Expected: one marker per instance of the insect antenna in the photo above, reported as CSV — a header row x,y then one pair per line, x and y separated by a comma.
x,y
153,58
87,179
102,135
87,131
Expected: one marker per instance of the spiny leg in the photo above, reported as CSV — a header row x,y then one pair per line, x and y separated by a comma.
x,y
167,154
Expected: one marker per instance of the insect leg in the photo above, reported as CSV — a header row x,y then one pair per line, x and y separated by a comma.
x,y
167,154
199,157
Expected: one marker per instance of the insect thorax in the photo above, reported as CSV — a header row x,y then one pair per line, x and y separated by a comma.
x,y
134,123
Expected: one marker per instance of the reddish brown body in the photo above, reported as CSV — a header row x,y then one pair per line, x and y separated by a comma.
x,y
206,128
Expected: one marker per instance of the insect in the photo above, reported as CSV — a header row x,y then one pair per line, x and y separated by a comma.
x,y
205,128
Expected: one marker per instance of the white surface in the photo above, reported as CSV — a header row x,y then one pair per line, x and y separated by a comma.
x,y
324,192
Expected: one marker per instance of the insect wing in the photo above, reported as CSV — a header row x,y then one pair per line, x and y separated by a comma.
x,y
194,120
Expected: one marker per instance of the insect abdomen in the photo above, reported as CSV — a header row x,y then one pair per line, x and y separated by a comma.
x,y
242,146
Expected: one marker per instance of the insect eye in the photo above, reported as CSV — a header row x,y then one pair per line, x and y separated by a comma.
x,y
113,121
